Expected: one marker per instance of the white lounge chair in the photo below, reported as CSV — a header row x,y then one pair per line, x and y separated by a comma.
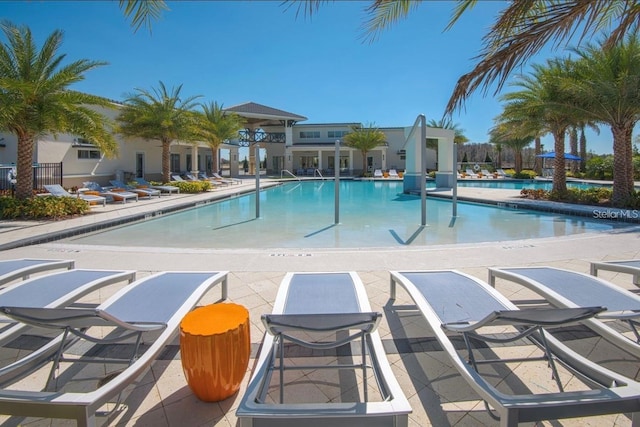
x,y
116,196
141,192
631,266
486,173
322,311
163,188
151,308
57,191
227,180
49,291
502,174
455,303
393,174
12,269
471,174
378,173
565,288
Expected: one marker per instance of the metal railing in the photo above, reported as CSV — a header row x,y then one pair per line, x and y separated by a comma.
x,y
43,174
282,172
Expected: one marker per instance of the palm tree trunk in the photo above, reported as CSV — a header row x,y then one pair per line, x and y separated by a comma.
x,y
622,165
364,164
573,144
583,151
538,151
518,160
166,160
559,175
24,178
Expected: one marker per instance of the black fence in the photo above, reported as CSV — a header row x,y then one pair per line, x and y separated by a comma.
x,y
43,174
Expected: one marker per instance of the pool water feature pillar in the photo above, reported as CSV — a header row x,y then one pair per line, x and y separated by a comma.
x,y
336,174
257,148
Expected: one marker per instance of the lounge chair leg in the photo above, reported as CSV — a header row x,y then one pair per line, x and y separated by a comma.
x,y
552,363
281,367
56,359
364,367
392,289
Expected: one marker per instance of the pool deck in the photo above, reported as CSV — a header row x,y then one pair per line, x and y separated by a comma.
x,y
435,391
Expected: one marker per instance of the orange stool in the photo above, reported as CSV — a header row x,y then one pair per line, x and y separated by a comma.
x,y
215,346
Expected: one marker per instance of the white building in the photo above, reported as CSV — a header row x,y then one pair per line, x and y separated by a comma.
x,y
287,145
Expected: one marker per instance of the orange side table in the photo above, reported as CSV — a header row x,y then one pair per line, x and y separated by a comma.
x,y
215,346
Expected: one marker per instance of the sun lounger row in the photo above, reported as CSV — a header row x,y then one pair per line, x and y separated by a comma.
x,y
322,311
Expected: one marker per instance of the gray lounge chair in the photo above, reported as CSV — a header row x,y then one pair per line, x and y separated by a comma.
x,y
50,291
333,305
116,196
631,266
149,309
58,191
455,303
12,269
163,188
141,192
564,288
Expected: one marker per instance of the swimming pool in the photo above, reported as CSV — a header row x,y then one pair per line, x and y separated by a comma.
x,y
528,184
372,214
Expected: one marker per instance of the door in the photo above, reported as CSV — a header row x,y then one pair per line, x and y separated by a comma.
x,y
139,165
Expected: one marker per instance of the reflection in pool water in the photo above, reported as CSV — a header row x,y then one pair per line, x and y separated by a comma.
x,y
372,214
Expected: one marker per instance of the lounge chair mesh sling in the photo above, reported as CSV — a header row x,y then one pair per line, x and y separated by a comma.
x,y
455,303
565,288
151,307
12,269
320,311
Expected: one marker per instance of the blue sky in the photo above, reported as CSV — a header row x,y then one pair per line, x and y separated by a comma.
x,y
234,52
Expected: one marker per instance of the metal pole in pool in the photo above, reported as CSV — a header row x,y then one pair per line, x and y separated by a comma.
x,y
423,173
454,201
336,182
257,156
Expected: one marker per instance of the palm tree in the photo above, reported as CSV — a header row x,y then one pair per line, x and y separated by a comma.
x,y
514,134
142,12
159,115
446,123
521,30
217,126
606,89
542,103
364,139
35,99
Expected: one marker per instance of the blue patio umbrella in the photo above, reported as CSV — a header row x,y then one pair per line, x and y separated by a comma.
x,y
552,155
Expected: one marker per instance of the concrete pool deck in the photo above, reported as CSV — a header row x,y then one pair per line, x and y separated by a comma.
x,y
435,391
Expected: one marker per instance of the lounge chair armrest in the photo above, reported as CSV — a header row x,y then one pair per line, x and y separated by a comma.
x,y
620,315
531,317
278,323
74,318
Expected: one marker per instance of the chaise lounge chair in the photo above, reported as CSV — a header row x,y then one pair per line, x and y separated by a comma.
x,y
12,269
487,174
334,308
631,266
455,303
220,178
393,174
50,291
116,196
471,174
150,307
141,192
163,188
57,191
564,288
378,173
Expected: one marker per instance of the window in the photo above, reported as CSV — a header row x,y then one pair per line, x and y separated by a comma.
x,y
309,134
337,133
89,154
175,163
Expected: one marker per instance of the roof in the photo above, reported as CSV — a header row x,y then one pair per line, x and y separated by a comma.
x,y
254,110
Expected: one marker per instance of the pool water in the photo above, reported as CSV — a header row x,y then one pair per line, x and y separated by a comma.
x,y
372,214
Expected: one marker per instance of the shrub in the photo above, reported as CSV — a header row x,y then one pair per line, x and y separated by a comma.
x,y
536,194
191,187
42,207
524,174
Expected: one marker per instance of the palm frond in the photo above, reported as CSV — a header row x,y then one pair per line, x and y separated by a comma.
x,y
383,14
143,12
304,7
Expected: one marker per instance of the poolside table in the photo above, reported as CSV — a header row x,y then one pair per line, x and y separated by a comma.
x,y
215,346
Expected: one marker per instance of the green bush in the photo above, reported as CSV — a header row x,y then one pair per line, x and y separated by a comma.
x,y
46,207
191,187
524,174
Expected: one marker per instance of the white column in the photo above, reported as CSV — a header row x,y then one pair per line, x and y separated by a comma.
x,y
234,161
194,160
288,142
320,160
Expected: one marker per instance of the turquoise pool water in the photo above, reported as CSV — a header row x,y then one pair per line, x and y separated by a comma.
x,y
372,214
529,184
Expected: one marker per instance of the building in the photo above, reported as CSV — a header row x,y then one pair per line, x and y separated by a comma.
x,y
287,145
